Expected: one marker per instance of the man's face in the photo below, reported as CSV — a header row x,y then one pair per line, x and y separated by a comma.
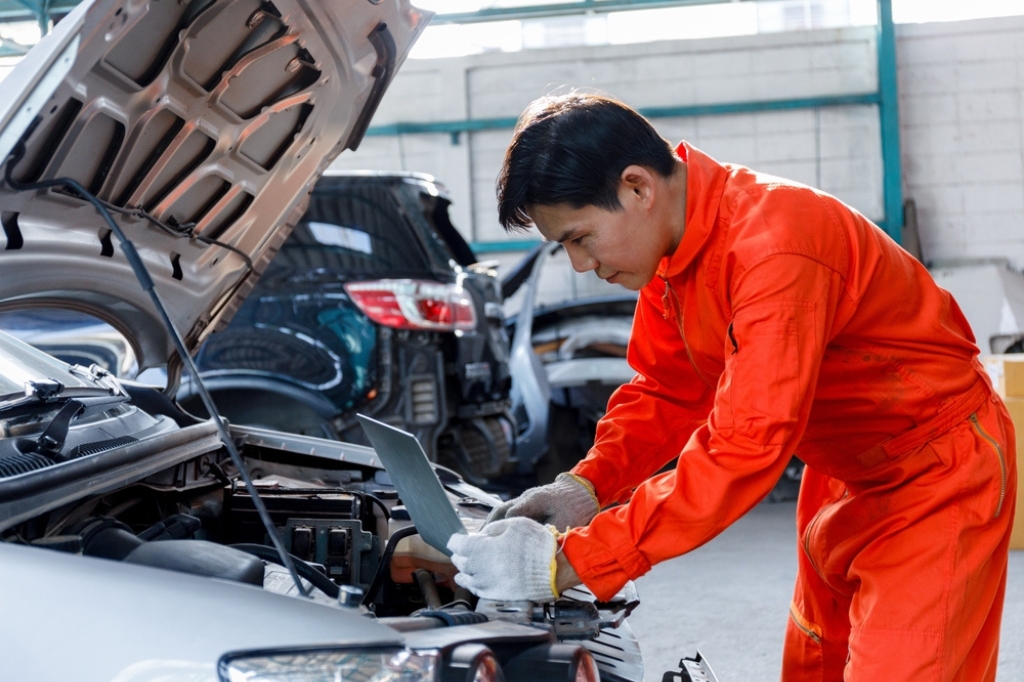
x,y
623,247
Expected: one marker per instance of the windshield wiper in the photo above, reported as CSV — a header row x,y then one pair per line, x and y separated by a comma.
x,y
51,441
53,392
74,402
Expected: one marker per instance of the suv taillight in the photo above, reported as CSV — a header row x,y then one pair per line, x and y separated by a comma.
x,y
414,304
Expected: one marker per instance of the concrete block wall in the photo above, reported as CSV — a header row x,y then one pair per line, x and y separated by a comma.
x,y
962,119
961,111
835,148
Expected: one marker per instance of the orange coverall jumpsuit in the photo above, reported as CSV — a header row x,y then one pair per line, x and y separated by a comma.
x,y
785,322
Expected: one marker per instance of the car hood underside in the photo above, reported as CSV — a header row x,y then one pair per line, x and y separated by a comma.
x,y
203,125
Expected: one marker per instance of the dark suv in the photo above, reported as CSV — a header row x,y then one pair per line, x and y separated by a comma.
x,y
374,304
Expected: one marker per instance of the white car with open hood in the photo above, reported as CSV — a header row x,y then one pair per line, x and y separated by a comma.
x,y
155,154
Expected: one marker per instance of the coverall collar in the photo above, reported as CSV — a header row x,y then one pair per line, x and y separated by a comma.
x,y
705,183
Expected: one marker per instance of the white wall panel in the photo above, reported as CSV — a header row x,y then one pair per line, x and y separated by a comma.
x,y
961,110
662,74
488,152
962,119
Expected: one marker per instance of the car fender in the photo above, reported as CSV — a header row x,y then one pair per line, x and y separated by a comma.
x,y
126,622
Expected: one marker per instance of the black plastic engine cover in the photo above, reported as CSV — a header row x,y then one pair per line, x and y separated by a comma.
x,y
199,558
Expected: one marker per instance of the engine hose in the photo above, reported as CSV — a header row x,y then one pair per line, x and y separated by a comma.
x,y
428,588
319,580
385,563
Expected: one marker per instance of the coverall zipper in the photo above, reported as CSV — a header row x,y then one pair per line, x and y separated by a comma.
x,y
799,622
1002,460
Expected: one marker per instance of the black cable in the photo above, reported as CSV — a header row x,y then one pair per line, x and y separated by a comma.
x,y
319,580
186,231
377,501
385,563
146,282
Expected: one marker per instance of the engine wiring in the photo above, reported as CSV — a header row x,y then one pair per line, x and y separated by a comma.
x,y
147,284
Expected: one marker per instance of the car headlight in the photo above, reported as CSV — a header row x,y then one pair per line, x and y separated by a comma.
x,y
331,665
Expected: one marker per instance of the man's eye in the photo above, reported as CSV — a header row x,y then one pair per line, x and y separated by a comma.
x,y
577,240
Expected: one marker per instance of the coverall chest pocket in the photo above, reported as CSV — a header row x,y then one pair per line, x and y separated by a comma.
x,y
769,363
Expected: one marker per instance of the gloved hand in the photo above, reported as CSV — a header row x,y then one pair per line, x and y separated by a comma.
x,y
509,560
567,503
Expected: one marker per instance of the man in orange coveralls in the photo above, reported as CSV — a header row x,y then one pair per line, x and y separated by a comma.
x,y
772,320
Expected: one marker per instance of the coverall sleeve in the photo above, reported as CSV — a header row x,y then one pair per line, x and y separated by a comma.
x,y
782,308
649,419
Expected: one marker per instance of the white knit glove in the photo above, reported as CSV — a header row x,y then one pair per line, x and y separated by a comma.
x,y
509,560
567,503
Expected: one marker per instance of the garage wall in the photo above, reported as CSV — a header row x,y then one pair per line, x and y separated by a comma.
x,y
962,118
836,148
961,108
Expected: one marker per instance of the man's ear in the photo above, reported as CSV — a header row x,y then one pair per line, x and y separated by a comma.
x,y
639,182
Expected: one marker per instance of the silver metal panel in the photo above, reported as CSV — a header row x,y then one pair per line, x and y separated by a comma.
x,y
152,624
417,484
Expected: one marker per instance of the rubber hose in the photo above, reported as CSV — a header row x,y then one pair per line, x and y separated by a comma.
x,y
428,588
385,562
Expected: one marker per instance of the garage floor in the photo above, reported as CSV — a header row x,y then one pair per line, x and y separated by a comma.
x,y
730,599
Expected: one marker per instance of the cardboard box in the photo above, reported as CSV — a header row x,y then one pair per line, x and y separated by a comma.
x,y
1007,374
1016,408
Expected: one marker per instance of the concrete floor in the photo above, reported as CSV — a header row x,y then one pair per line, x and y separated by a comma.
x,y
730,599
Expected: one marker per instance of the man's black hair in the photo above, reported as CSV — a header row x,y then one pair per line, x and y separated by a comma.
x,y
571,149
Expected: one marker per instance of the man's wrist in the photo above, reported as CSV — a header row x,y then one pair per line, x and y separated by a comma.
x,y
565,574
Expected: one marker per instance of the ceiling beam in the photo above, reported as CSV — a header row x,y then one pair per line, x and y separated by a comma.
x,y
561,9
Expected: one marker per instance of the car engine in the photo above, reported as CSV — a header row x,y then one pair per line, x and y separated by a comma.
x,y
183,508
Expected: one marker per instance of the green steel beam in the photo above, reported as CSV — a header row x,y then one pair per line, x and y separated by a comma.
x,y
40,13
761,105
504,245
561,9
55,6
888,111
29,10
454,128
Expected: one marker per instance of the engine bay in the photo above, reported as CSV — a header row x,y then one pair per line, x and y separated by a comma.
x,y
172,498
344,525
333,518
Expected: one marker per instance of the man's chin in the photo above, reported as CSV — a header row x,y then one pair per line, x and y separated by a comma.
x,y
634,282
631,283
628,280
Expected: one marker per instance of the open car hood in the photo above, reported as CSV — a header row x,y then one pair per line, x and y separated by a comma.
x,y
215,117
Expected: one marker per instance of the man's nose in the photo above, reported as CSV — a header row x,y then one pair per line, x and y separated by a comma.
x,y
580,260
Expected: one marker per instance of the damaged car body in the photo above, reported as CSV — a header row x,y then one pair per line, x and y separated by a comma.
x,y
374,304
156,155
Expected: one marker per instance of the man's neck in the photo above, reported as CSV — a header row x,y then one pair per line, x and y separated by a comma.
x,y
677,204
